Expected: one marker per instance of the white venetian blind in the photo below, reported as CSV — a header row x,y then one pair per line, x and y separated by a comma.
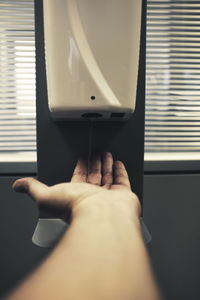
x,y
17,80
172,121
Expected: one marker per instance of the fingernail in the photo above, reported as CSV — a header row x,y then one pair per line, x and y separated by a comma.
x,y
18,187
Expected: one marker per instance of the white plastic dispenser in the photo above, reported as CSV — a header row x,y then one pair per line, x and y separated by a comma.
x,y
92,55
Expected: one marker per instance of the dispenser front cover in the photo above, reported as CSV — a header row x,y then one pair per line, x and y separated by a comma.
x,y
92,55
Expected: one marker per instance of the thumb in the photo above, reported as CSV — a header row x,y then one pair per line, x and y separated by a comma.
x,y
54,203
55,198
32,187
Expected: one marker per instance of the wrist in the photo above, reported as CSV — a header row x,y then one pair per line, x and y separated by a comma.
x,y
106,210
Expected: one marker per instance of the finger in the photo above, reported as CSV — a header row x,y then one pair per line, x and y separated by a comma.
x,y
107,169
121,175
94,172
31,186
80,171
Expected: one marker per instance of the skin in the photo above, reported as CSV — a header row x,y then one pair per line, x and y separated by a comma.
x,y
102,254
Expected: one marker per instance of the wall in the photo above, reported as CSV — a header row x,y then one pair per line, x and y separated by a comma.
x,y
171,211
18,218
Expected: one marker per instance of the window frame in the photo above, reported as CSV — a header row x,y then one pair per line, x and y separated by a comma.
x,y
180,166
11,168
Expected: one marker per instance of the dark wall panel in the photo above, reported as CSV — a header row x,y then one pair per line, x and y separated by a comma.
x,y
18,218
172,213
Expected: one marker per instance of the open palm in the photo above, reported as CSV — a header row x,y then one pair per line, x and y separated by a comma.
x,y
106,182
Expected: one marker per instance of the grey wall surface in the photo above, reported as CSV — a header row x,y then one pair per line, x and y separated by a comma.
x,y
18,218
171,211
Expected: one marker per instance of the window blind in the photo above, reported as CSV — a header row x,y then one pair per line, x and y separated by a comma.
x,y
17,80
172,117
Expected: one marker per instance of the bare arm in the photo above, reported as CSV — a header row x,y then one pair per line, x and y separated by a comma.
x,y
102,255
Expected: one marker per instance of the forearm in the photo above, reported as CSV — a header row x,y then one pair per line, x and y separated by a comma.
x,y
99,257
114,260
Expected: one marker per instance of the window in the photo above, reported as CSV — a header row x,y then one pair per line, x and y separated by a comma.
x,y
17,81
172,121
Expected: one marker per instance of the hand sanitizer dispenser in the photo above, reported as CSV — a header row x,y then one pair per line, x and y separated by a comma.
x,y
92,58
92,55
